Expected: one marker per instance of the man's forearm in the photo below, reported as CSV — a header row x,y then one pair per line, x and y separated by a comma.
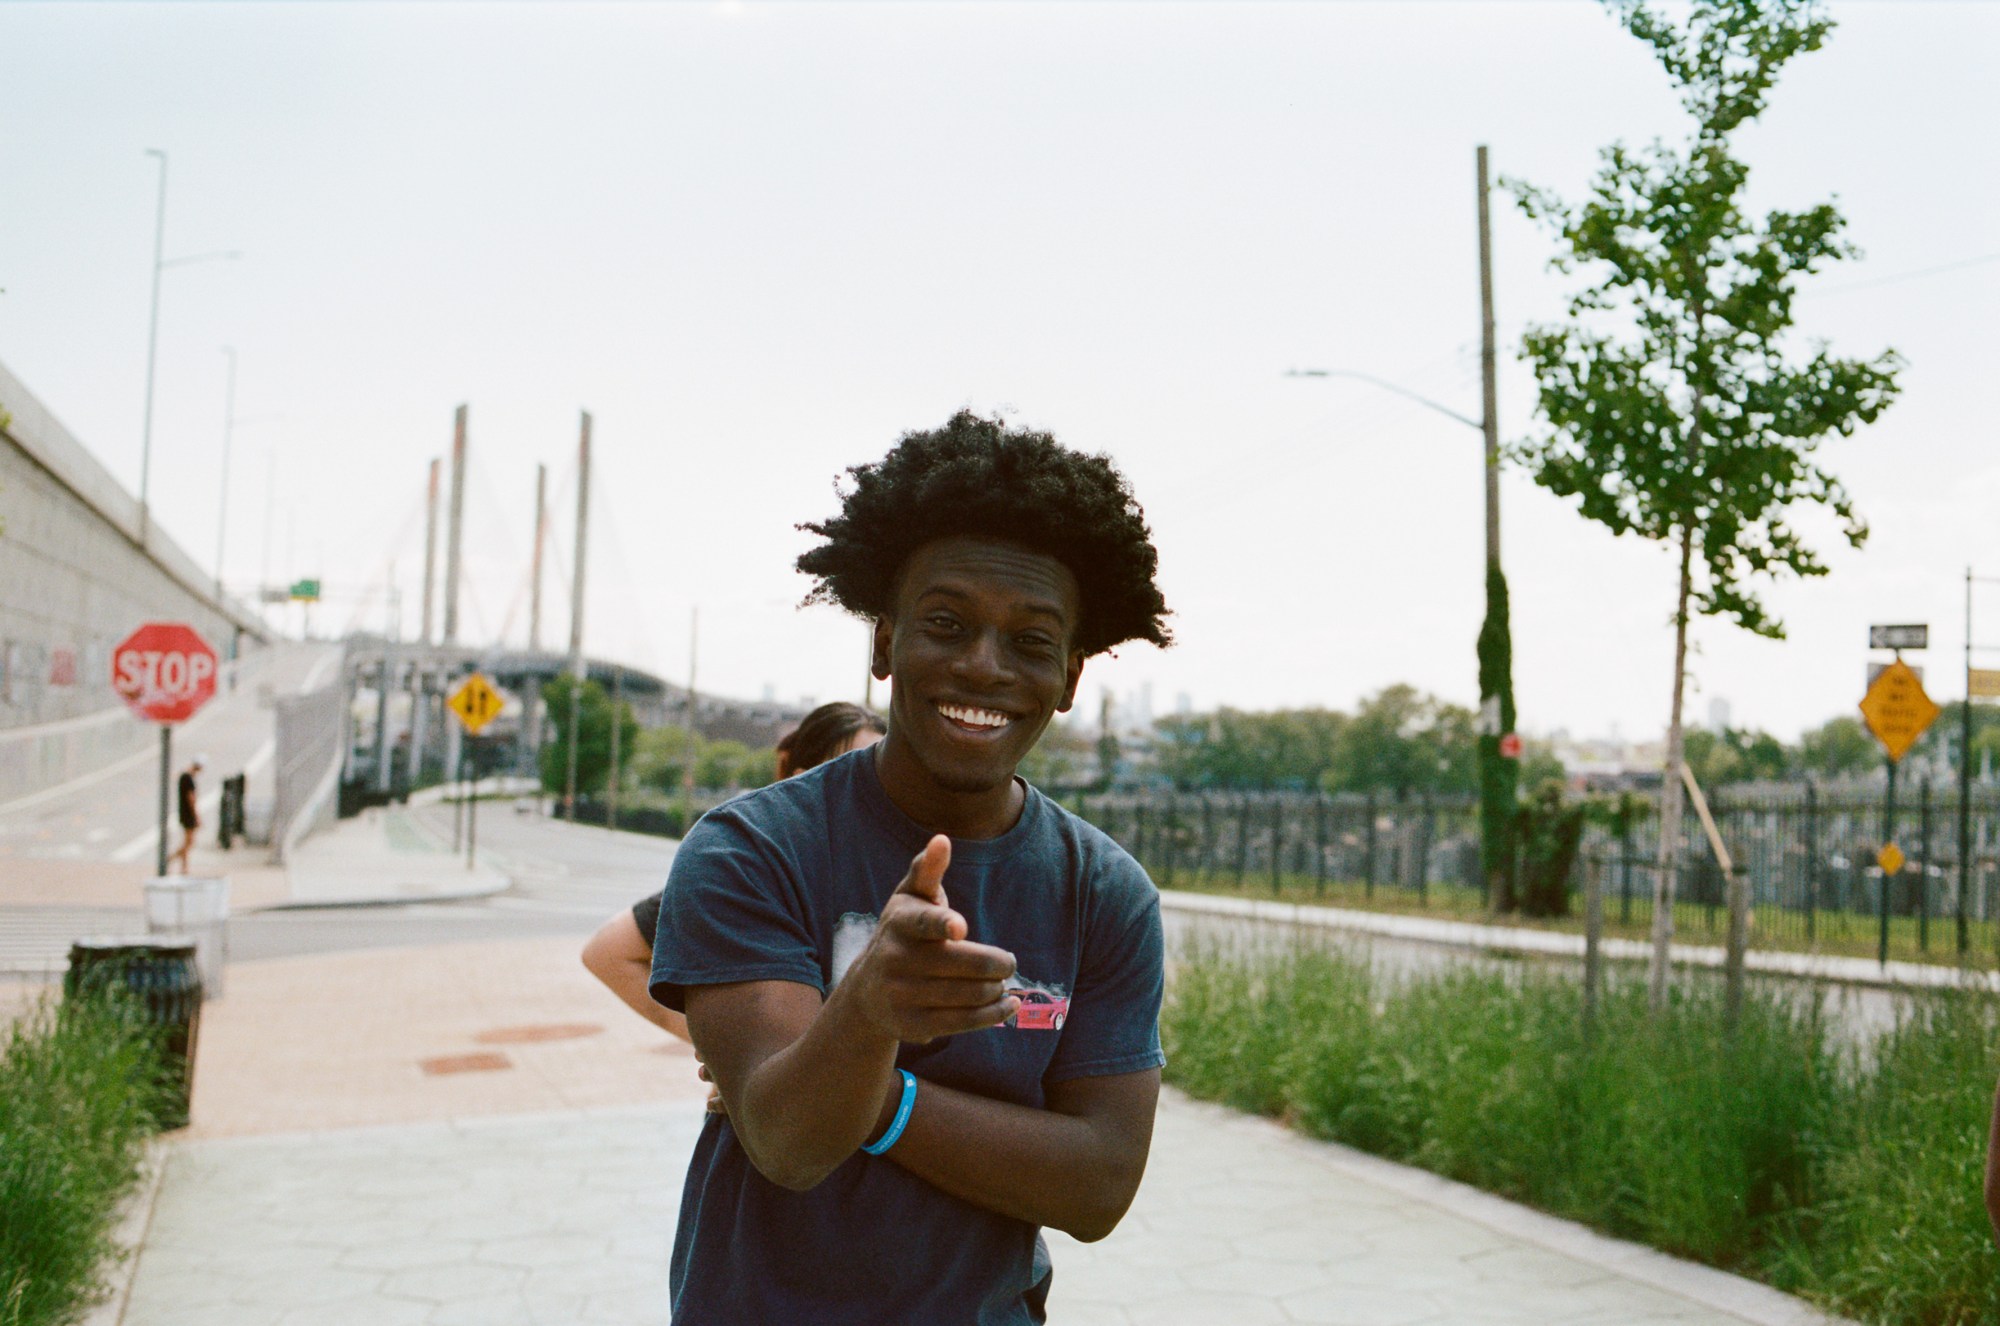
x,y
806,1107
1072,1172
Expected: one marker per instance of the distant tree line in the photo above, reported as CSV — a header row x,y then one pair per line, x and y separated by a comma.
x,y
655,759
1401,742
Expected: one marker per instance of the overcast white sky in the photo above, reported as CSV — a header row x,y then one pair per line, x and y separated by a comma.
x,y
758,242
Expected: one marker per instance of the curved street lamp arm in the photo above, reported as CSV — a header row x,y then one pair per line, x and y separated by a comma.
x,y
1372,380
225,254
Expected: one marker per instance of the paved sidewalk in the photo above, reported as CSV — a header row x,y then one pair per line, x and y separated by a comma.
x,y
478,1134
388,854
568,1218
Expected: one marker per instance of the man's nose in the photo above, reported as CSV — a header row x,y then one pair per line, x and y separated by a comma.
x,y
982,661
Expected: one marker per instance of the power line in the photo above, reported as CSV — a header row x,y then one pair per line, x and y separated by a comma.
x,y
1900,277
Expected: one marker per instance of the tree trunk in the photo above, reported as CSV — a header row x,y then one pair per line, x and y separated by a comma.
x,y
1670,791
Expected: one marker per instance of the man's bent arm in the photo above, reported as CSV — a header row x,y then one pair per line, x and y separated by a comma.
x,y
803,1081
1074,1166
805,1087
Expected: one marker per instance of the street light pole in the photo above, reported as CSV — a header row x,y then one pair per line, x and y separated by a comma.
x,y
152,343
160,264
222,503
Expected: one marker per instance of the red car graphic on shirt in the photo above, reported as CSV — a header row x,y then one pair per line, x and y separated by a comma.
x,y
1040,1011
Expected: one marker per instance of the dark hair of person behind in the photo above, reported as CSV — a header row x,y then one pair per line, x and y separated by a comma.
x,y
978,476
821,734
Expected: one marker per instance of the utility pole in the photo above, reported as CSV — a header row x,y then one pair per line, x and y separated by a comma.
x,y
152,356
430,550
1499,774
577,667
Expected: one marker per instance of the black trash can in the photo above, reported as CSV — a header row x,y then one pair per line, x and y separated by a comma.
x,y
162,973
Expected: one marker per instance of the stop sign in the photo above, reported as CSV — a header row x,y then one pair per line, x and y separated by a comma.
x,y
164,671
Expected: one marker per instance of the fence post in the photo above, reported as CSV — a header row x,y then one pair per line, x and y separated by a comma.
x,y
1173,835
1207,837
1242,837
1924,868
1739,939
1277,845
1424,851
1812,861
1368,874
1319,845
1624,862
1139,833
1593,943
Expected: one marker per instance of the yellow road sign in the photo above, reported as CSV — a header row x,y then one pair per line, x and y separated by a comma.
x,y
1890,858
1896,709
476,703
1983,683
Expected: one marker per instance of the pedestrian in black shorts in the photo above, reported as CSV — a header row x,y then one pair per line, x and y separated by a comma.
x,y
190,813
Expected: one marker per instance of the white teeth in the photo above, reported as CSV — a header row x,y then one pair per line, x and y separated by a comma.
x,y
987,718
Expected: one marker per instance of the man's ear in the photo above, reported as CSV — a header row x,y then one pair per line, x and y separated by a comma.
x,y
878,662
1074,674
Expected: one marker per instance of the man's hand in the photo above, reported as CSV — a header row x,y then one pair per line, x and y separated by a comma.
x,y
920,978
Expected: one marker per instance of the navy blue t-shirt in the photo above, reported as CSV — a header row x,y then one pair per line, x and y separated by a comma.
x,y
784,884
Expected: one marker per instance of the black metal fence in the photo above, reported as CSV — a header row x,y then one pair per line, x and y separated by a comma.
x,y
1808,855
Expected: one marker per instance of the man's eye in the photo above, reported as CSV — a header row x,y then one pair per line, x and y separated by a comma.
x,y
940,622
1039,644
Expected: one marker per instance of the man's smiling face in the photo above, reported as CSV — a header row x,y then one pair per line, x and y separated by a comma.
x,y
980,649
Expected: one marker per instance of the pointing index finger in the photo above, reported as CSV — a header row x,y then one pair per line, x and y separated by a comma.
x,y
979,961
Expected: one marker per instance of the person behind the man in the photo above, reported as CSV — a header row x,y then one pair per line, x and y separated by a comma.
x,y
928,994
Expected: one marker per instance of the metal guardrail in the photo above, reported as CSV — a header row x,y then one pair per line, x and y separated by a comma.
x,y
1807,858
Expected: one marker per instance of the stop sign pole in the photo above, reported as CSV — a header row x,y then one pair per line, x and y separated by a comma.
x,y
165,671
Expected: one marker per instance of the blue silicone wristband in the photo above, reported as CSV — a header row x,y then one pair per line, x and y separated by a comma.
x,y
902,1119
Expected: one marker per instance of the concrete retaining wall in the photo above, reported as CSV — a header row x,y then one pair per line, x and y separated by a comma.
x,y
78,574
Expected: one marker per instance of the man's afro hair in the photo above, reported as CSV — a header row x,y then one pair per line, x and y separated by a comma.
x,y
977,476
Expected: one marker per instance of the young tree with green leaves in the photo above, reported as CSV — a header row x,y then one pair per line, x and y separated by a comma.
x,y
1678,404
593,751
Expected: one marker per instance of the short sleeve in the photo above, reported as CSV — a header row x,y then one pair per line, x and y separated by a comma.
x,y
730,912
1113,1024
646,915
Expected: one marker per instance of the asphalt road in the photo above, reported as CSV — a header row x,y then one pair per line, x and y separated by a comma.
x,y
114,813
567,880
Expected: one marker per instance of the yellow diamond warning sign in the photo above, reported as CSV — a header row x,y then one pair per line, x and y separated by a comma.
x,y
1890,858
1896,709
476,703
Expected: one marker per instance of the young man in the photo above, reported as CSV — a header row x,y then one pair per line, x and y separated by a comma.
x,y
189,813
928,995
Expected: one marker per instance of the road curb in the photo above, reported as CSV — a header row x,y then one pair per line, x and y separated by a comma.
x,y
135,1218
1506,941
386,900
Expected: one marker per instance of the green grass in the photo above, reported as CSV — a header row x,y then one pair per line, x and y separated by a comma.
x,y
80,1088
1836,933
1766,1150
